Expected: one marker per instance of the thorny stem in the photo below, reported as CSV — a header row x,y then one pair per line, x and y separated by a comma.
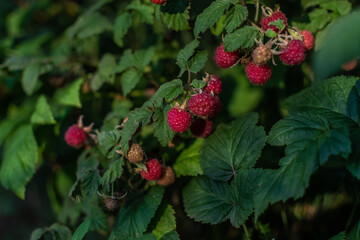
x,y
257,10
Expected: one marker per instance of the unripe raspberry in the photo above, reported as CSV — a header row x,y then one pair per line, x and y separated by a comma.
x,y
294,53
135,153
202,104
201,128
274,16
261,55
178,120
258,74
75,136
158,1
167,177
214,85
153,170
225,59
308,40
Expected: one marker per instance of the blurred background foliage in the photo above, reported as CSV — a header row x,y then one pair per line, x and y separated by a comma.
x,y
58,41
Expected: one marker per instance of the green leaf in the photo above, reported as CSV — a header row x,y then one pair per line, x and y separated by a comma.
x,y
232,148
162,131
129,80
90,182
135,117
353,102
166,223
328,98
333,54
115,171
279,24
143,12
136,213
353,163
185,54
20,157
339,236
235,17
69,95
108,139
198,61
42,114
142,58
122,24
198,83
211,15
30,77
341,7
310,141
56,230
243,38
126,61
270,33
173,235
187,163
168,91
175,15
81,230
214,202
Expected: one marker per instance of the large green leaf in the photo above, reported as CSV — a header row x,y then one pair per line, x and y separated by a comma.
x,y
129,80
136,213
235,17
310,141
69,95
211,15
243,38
175,15
42,113
90,182
338,50
115,171
161,128
20,157
209,201
166,223
185,54
232,148
168,91
197,62
30,77
187,163
81,230
122,24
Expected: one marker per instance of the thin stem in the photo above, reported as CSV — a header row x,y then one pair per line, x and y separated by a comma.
x,y
257,10
246,231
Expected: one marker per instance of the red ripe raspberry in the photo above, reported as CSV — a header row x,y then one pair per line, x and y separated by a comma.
x,y
178,120
75,136
214,85
275,16
167,178
158,1
308,40
294,53
258,74
261,55
201,128
225,59
202,104
153,170
217,107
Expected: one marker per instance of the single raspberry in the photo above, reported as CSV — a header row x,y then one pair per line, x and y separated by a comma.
x,y
294,53
217,107
75,136
214,85
349,66
308,40
178,120
153,170
201,128
225,59
158,1
167,177
202,104
112,204
258,74
135,153
261,55
273,17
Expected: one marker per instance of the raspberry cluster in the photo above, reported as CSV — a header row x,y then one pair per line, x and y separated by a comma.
x,y
202,105
290,44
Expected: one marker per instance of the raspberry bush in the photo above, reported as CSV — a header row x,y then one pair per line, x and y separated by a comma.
x,y
179,119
